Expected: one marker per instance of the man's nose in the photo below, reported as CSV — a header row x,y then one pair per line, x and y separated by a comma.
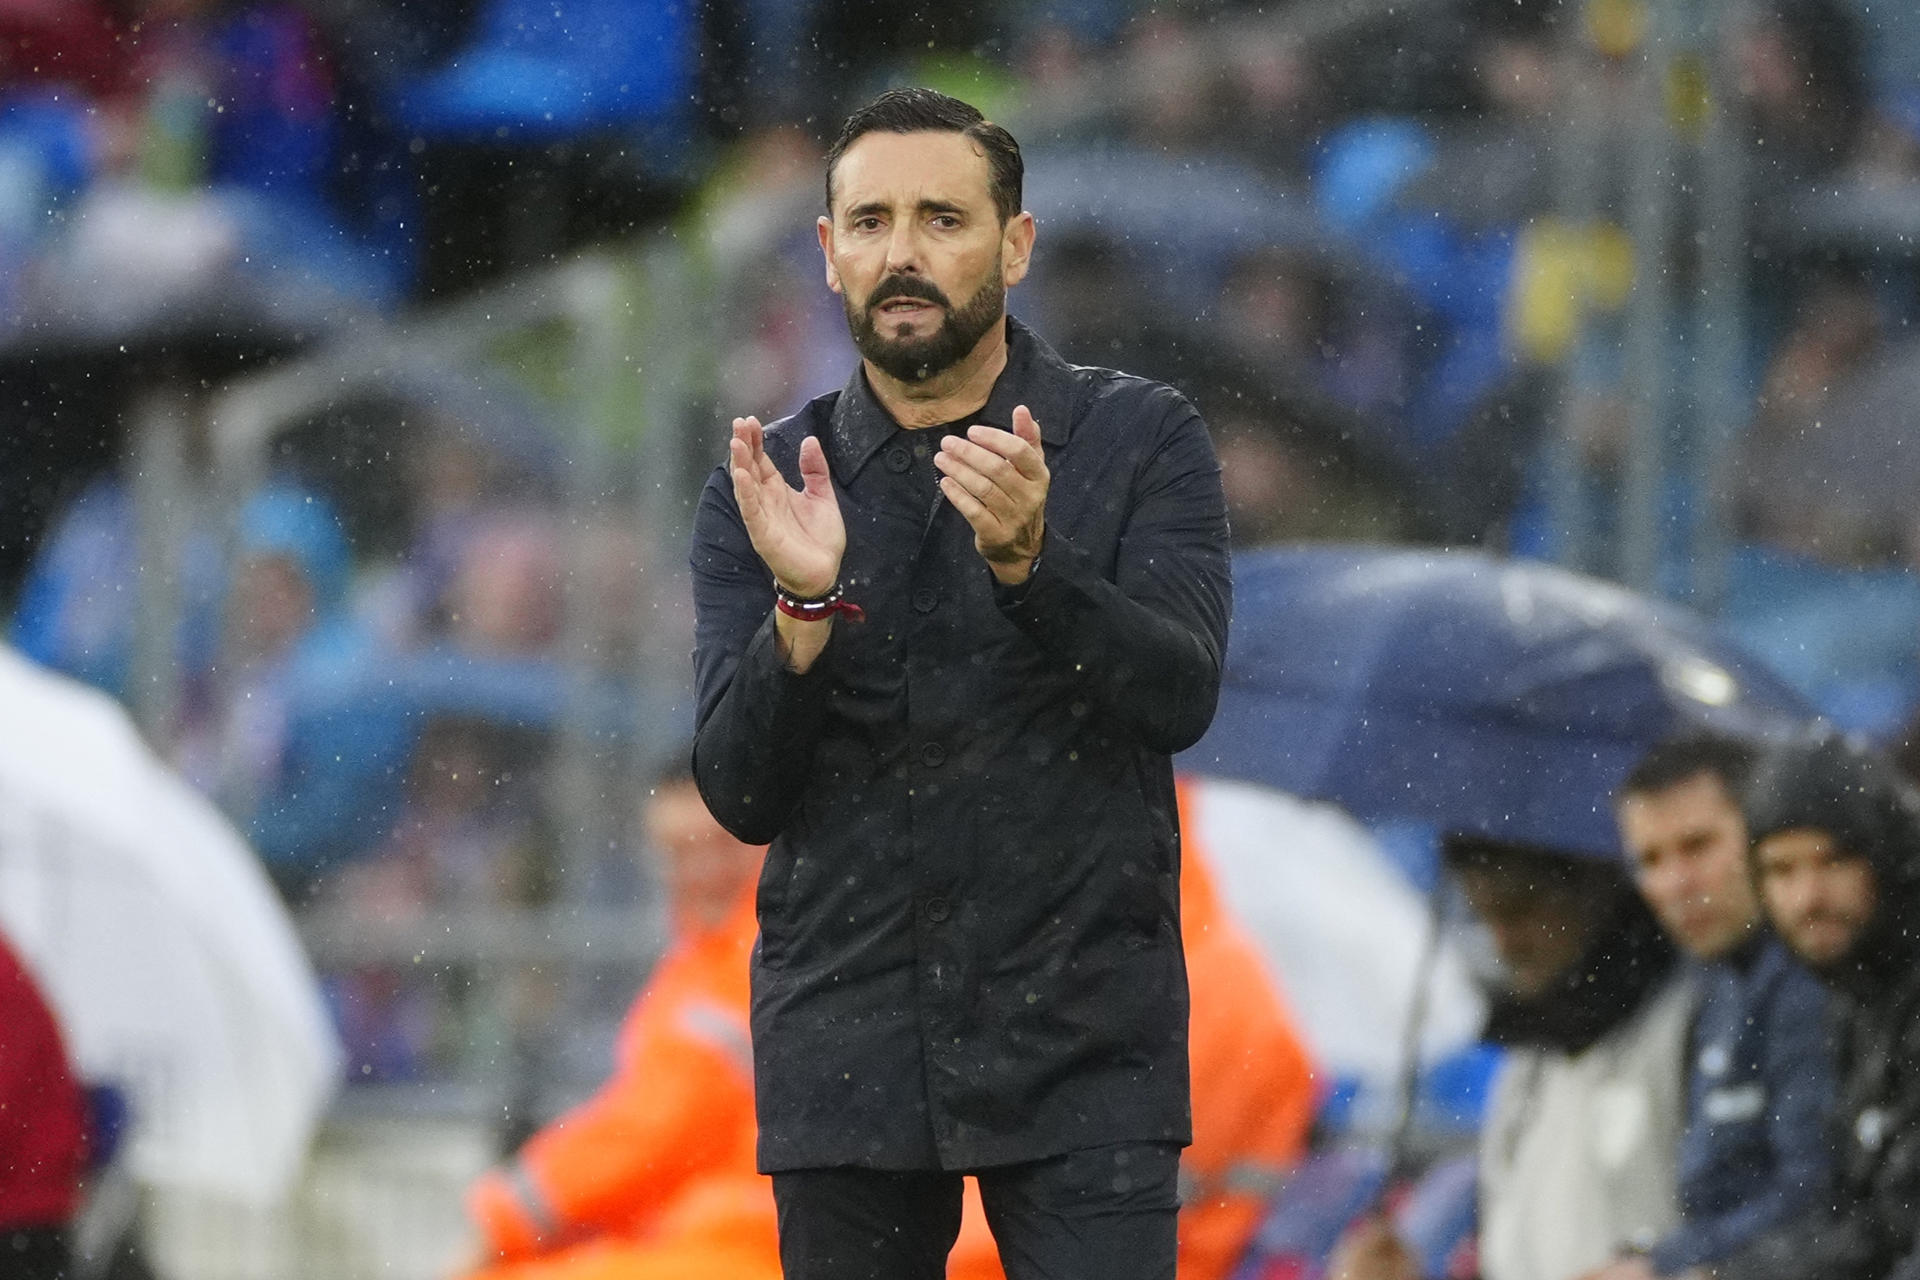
x,y
904,249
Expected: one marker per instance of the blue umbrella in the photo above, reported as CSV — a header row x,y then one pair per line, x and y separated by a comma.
x,y
1505,698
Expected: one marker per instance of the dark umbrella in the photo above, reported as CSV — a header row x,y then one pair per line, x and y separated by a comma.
x,y
1506,698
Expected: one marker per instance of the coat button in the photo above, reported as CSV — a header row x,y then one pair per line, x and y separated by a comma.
x,y
897,460
925,599
933,755
938,910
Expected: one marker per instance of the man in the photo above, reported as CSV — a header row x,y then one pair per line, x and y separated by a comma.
x,y
944,677
1836,856
1760,1084
1576,1152
653,1176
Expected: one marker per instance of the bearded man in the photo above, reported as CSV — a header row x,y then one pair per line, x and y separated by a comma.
x,y
952,622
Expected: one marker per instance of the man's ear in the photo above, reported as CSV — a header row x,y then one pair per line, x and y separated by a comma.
x,y
1016,248
825,227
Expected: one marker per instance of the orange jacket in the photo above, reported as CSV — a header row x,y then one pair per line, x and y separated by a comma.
x,y
1254,1092
677,1112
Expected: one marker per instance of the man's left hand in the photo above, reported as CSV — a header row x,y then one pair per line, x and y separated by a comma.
x,y
998,481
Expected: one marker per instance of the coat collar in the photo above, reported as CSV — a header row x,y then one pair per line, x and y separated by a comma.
x,y
1035,376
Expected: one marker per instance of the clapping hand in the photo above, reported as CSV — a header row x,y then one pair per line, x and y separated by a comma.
x,y
797,532
998,481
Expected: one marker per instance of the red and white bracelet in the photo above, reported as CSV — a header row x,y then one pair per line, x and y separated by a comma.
x,y
819,609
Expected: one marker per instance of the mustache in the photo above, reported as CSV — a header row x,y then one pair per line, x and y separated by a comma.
x,y
902,286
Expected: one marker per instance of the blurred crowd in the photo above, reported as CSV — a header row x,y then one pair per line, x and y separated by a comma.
x,y
1347,235
1386,251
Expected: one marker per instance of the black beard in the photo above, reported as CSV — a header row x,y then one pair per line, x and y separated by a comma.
x,y
917,359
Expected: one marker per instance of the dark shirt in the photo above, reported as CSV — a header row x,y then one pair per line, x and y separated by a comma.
x,y
969,944
1757,1147
1863,1228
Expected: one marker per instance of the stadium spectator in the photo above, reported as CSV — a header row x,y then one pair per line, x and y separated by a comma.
x,y
1577,1148
273,743
1836,856
1755,1150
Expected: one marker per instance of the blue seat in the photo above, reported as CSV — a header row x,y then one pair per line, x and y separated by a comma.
x,y
541,70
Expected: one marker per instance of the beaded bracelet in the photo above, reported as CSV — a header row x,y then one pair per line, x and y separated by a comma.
x,y
818,609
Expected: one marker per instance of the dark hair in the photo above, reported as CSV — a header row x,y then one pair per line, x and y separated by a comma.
x,y
1830,784
1686,756
928,111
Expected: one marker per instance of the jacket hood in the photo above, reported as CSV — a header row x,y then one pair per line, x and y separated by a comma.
x,y
1621,968
301,526
1829,784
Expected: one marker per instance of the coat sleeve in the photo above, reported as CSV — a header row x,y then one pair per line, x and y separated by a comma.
x,y
1865,1240
617,1159
1147,645
1798,1068
758,723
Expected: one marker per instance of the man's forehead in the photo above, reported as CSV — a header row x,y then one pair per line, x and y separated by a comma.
x,y
887,168
1697,795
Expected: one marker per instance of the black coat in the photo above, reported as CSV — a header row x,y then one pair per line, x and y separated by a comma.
x,y
969,918
1868,1224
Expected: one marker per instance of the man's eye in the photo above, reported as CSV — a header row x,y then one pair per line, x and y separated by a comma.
x,y
946,221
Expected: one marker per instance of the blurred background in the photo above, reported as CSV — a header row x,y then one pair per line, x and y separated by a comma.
x,y
360,361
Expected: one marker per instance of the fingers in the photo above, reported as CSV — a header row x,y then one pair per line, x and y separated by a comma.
x,y
1022,477
1022,451
984,522
1024,426
814,476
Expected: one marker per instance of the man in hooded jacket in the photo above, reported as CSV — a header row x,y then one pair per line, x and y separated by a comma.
x,y
1836,857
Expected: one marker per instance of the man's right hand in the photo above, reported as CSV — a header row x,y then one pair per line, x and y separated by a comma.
x,y
797,532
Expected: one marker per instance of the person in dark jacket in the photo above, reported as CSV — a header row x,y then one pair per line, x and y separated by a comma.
x,y
1755,1149
1836,857
944,677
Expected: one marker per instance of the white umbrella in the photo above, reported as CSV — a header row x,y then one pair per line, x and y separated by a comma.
x,y
160,943
1343,930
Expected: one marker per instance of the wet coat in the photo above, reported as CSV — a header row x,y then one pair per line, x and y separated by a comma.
x,y
970,948
1756,1150
1254,1090
1864,1227
674,1120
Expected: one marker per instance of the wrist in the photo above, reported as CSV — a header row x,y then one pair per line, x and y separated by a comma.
x,y
1014,573
817,608
803,589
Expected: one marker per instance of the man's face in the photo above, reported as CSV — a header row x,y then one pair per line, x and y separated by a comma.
x,y
1540,925
1688,848
705,868
271,605
917,251
1819,897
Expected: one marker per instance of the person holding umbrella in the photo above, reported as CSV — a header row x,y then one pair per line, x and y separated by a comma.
x,y
1836,858
1576,1152
1760,1083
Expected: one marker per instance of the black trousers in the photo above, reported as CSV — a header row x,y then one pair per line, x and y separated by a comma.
x,y
1107,1213
33,1253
